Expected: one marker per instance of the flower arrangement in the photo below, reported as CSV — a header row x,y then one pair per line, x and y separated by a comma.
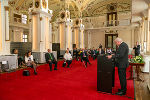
x,y
138,59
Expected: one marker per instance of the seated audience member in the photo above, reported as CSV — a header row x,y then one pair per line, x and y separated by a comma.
x,y
75,52
105,51
68,58
20,59
93,53
84,57
30,62
50,59
109,51
79,53
100,51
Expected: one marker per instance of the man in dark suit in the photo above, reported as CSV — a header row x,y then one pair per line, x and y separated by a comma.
x,y
137,49
84,57
100,51
121,60
50,59
93,53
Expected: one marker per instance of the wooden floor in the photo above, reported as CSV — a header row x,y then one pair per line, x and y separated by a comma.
x,y
141,90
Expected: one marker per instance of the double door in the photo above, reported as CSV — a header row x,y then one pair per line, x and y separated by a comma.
x,y
109,41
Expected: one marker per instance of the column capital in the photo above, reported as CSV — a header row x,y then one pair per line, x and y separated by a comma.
x,y
6,8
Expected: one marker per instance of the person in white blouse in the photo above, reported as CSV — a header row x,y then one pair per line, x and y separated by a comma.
x,y
30,62
68,58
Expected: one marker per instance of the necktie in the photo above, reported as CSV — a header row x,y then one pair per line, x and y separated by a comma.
x,y
50,56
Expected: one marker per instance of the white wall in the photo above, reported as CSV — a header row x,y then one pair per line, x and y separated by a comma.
x,y
126,36
98,36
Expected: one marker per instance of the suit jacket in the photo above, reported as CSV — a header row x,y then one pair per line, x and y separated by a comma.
x,y
137,49
83,55
102,52
121,56
47,57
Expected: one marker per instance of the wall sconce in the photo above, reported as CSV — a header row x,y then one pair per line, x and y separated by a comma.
x,y
6,8
146,18
50,21
40,18
30,20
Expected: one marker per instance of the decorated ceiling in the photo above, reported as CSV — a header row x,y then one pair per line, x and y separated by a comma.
x,y
86,8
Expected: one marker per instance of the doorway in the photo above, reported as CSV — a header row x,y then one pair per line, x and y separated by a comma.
x,y
109,41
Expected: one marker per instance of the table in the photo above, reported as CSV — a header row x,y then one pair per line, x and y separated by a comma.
x,y
137,65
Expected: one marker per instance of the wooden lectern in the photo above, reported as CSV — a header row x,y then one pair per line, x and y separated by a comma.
x,y
105,74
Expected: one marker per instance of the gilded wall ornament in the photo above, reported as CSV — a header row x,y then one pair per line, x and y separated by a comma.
x,y
62,15
44,4
37,4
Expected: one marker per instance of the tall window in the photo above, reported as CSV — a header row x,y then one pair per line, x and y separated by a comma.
x,y
112,19
25,38
24,19
17,18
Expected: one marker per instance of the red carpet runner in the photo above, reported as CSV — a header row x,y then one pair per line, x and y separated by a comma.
x,y
75,83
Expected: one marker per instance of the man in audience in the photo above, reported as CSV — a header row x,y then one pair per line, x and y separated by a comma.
x,y
20,59
122,63
109,51
93,53
68,58
50,59
100,51
75,53
84,57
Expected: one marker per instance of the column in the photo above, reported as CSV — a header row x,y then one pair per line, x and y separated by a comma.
x,y
77,37
4,28
148,33
41,31
50,34
7,23
65,30
81,36
62,36
142,35
89,40
0,28
145,33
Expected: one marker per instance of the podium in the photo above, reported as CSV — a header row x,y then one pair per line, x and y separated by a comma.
x,y
105,74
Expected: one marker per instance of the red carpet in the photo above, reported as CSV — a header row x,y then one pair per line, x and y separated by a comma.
x,y
75,83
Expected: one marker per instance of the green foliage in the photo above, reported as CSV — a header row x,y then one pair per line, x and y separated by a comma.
x,y
138,59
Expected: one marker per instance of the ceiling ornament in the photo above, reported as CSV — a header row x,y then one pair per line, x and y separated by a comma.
x,y
37,4
12,3
112,7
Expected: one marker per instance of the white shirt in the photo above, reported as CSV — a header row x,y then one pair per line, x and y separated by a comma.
x,y
68,56
28,60
109,51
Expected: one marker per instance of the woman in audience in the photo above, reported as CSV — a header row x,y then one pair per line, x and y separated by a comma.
x,y
68,58
30,62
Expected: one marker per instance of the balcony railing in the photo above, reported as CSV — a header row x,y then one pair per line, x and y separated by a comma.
x,y
113,23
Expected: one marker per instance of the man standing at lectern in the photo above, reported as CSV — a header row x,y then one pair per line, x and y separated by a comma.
x,y
121,60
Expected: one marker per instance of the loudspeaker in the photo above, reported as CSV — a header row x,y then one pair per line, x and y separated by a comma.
x,y
26,73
